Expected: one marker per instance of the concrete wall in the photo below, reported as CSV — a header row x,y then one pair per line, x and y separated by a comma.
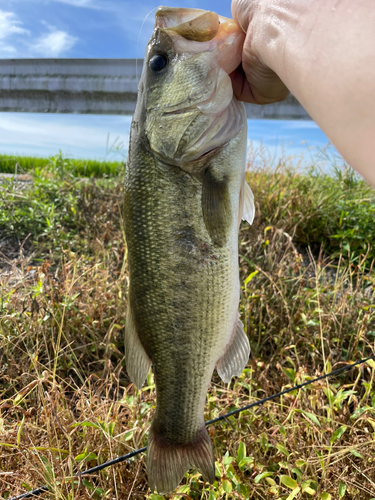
x,y
92,86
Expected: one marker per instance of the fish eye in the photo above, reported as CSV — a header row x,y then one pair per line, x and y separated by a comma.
x,y
158,62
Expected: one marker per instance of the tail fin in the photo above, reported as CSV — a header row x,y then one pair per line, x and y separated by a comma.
x,y
167,464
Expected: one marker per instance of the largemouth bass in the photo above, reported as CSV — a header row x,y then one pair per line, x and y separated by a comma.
x,y
185,194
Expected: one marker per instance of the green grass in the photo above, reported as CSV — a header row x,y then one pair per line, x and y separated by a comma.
x,y
82,168
307,303
335,213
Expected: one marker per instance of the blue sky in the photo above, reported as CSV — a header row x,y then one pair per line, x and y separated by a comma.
x,y
83,28
104,28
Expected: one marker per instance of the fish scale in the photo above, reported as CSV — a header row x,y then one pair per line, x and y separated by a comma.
x,y
181,212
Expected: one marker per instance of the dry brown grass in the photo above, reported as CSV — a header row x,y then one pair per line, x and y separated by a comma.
x,y
66,403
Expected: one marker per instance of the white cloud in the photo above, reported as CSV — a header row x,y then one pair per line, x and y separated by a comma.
x,y
14,38
7,50
53,44
10,25
91,4
10,28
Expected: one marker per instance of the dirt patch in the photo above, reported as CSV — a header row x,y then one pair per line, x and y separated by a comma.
x,y
14,252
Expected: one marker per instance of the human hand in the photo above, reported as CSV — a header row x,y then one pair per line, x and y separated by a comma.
x,y
255,81
323,51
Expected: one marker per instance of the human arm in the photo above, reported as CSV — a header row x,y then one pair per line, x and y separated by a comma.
x,y
323,51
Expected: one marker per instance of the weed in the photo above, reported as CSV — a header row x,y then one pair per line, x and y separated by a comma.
x,y
307,303
83,168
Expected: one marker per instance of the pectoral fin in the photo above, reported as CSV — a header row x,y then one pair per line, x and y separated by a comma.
x,y
236,355
216,207
138,363
247,207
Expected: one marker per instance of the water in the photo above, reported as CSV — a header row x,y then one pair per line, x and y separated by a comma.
x,y
106,137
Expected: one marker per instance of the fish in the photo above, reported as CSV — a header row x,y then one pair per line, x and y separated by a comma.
x,y
185,195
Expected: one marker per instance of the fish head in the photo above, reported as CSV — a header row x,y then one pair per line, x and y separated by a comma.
x,y
186,103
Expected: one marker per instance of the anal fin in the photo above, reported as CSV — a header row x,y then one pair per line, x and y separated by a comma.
x,y
167,463
236,355
137,361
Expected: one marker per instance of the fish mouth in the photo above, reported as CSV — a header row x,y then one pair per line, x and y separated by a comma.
x,y
196,30
192,24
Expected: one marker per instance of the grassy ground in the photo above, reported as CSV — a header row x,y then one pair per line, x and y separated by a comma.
x,y
20,164
307,303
